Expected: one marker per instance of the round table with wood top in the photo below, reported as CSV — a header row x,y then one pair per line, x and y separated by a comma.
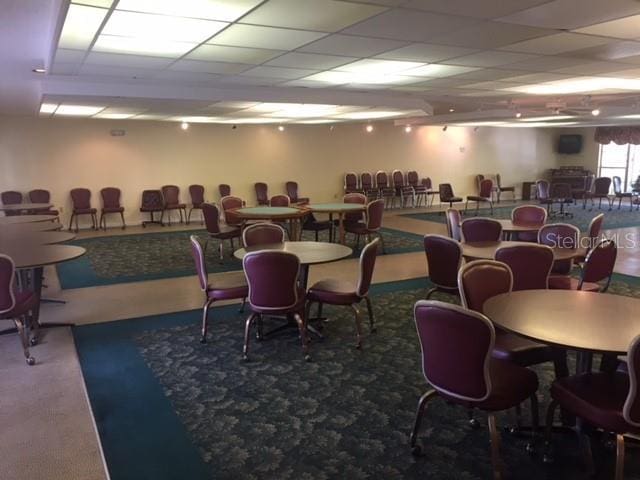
x,y
291,214
25,207
17,219
337,208
487,250
9,237
32,227
509,228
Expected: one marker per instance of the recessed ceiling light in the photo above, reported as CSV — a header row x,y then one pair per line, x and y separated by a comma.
x,y
184,126
407,129
595,112
39,70
451,110
281,128
518,114
78,110
369,128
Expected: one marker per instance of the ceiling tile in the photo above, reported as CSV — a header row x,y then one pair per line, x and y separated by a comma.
x,y
209,67
224,10
424,52
69,56
537,77
410,25
492,85
483,9
320,15
310,60
488,35
65,68
436,71
178,77
95,3
386,3
571,14
621,51
245,80
141,46
440,82
352,46
114,71
127,61
264,37
489,59
220,53
557,43
80,26
629,73
487,74
591,68
625,28
545,63
275,72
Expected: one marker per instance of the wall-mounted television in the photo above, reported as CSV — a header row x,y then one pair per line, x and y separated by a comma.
x,y
570,144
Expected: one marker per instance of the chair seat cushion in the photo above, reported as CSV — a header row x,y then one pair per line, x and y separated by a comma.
x,y
297,308
562,282
476,198
81,211
519,350
174,206
598,398
317,226
359,228
151,209
228,286
113,210
226,231
334,292
452,199
506,189
25,301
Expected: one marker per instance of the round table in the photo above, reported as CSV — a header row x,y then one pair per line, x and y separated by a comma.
x,y
18,219
487,250
32,227
338,208
25,207
292,214
509,227
12,237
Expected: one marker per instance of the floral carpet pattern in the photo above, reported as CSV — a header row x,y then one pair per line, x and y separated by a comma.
x,y
347,414
615,218
152,256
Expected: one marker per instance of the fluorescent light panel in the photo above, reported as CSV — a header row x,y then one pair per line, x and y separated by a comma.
x,y
142,46
225,10
578,85
48,107
80,26
544,119
78,110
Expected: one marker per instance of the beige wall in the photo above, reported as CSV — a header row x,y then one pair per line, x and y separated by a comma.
x,y
60,154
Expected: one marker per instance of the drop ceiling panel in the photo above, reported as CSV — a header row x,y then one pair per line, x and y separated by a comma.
x,y
276,72
488,35
264,37
94,3
557,43
219,53
487,74
224,10
489,58
424,52
190,77
310,60
625,28
141,46
546,63
591,68
129,61
111,71
80,26
209,67
483,9
622,51
352,46
69,56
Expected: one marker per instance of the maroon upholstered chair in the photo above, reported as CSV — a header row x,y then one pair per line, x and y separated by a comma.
x,y
481,230
292,192
272,276
562,194
386,191
598,267
39,195
152,202
16,305
560,235
368,188
402,189
456,361
196,192
601,186
229,204
605,400
171,195
483,196
262,234
216,230
81,200
419,190
528,215
111,204
530,265
351,183
262,197
444,256
619,193
229,287
544,195
224,190
453,223
358,198
426,183
339,292
445,190
279,201
11,198
372,224
594,235
311,223
501,188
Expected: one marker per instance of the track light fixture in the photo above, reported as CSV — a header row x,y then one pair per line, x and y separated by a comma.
x,y
444,129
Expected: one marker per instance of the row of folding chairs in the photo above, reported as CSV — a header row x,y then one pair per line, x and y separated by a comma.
x,y
398,188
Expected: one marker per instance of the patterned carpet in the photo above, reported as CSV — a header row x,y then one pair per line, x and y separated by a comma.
x,y
169,407
152,256
612,219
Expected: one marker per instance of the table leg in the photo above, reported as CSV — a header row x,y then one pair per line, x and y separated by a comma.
x,y
331,226
36,285
341,222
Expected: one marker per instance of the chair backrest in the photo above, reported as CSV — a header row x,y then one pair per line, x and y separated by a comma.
x,y
367,263
196,192
631,408
230,203
453,223
444,256
262,197
81,198
224,190
11,197
426,183
171,194
279,201
617,185
446,192
382,179
152,199
359,198
7,275
350,181
262,234
559,235
110,197
397,178
498,180
530,265
201,265
529,215
561,190
486,186
481,230
39,196
272,277
366,181
542,189
412,178
601,186
211,215
480,280
456,349
375,210
595,228
599,263
588,182
292,190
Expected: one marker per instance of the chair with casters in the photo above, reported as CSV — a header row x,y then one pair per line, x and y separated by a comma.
x,y
228,287
483,196
562,194
560,235
292,192
262,197
262,234
501,188
196,192
455,340
386,191
42,196
81,200
339,292
224,190
480,229
16,305
11,197
228,205
372,224
152,202
544,195
597,268
367,186
111,204
600,190
171,195
605,400
454,219
272,276
419,190
620,194
445,191
528,215
351,183
530,265
216,230
444,257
